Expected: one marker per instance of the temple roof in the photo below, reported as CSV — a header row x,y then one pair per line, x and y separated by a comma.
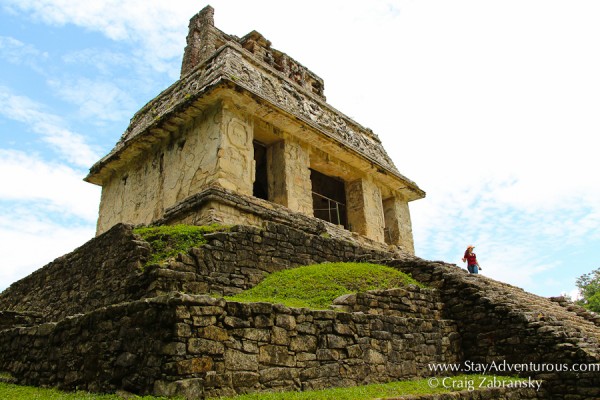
x,y
215,60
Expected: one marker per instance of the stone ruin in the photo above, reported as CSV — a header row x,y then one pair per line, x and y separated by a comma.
x,y
248,120
245,138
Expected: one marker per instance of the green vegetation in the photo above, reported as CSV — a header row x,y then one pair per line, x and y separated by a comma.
x,y
168,241
378,391
589,288
316,286
393,389
16,392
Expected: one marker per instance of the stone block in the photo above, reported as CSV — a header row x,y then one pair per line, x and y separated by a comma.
x,y
278,374
174,349
203,320
303,343
246,379
204,346
239,361
279,336
287,322
257,335
214,333
194,366
276,355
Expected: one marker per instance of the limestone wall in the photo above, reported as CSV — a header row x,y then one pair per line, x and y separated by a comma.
x,y
235,261
198,345
169,173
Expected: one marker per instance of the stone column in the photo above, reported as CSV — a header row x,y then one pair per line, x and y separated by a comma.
x,y
398,223
235,155
289,175
365,209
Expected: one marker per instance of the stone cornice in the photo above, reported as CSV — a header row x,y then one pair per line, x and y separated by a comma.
x,y
234,65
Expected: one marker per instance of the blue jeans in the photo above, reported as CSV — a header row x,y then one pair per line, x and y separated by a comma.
x,y
473,269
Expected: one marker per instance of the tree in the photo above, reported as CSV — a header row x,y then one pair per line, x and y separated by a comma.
x,y
589,287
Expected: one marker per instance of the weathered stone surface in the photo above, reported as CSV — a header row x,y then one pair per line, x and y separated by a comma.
x,y
188,344
103,271
235,97
237,360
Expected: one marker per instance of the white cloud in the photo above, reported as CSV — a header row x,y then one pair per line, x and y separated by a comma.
x,y
70,146
17,52
28,243
46,210
102,59
51,186
158,27
97,100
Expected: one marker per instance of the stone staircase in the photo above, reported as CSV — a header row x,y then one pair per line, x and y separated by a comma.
x,y
503,323
536,308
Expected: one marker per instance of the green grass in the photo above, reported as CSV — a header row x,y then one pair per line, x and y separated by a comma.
x,y
17,392
369,392
170,240
378,391
316,286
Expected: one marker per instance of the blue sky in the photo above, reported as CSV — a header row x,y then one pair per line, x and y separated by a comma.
x,y
491,107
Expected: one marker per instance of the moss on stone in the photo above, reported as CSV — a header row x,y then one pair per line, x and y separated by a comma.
x,y
170,240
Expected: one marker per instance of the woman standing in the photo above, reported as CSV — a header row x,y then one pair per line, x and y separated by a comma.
x,y
471,259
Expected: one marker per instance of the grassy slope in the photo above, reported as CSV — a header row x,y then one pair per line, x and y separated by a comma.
x,y
316,286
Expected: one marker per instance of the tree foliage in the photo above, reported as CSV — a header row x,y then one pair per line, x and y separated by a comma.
x,y
589,287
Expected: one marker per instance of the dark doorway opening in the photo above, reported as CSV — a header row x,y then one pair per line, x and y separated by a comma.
x,y
260,188
329,198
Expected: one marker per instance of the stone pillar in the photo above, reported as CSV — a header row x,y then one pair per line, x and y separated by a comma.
x,y
235,154
289,175
398,224
365,209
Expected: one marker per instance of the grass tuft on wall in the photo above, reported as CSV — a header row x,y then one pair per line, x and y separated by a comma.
x,y
169,240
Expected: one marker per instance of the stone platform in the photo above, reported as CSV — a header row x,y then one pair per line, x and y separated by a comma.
x,y
97,320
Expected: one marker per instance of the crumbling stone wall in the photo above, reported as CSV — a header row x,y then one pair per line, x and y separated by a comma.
x,y
111,348
493,322
104,271
109,269
503,324
12,319
580,311
237,260
412,300
198,345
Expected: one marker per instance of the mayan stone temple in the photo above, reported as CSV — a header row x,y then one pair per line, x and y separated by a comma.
x,y
247,128
245,142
